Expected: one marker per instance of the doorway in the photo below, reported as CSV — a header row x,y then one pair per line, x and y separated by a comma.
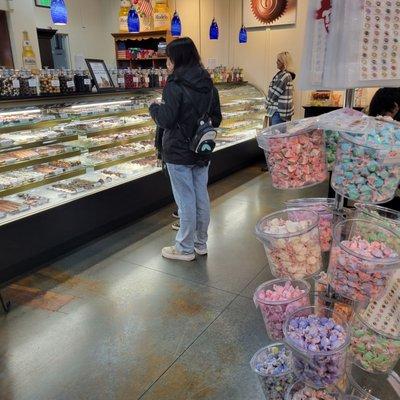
x,y
54,49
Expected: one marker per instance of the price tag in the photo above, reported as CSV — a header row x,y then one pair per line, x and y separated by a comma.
x,y
86,81
146,79
70,84
55,83
159,78
15,83
64,115
120,80
32,82
135,79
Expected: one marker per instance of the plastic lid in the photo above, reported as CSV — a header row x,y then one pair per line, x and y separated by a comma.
x,y
370,209
259,357
378,331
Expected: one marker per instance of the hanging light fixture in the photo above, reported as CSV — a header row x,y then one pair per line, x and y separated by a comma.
x,y
214,30
58,12
133,20
176,25
243,31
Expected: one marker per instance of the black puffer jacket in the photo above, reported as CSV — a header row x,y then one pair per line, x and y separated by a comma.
x,y
178,118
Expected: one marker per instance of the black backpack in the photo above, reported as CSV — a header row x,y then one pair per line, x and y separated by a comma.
x,y
203,141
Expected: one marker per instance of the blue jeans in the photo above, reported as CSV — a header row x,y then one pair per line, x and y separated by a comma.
x,y
276,119
189,186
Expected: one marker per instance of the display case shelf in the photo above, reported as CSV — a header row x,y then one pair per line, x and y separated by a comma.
x,y
115,143
111,163
38,143
101,132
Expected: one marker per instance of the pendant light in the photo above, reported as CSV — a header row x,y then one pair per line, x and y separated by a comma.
x,y
58,12
133,20
243,31
214,30
176,25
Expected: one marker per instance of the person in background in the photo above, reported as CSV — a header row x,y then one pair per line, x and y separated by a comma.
x,y
188,84
279,101
385,103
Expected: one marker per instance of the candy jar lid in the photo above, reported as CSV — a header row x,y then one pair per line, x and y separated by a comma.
x,y
259,360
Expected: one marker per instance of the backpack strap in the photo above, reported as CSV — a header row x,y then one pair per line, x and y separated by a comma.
x,y
200,115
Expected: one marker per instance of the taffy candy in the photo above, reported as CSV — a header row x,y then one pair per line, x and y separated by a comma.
x,y
318,345
297,161
279,298
273,365
331,140
371,349
292,247
360,277
367,167
308,393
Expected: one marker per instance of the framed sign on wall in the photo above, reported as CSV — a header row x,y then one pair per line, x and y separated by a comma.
x,y
100,74
43,3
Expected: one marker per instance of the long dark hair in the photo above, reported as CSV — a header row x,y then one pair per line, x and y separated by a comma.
x,y
183,53
384,101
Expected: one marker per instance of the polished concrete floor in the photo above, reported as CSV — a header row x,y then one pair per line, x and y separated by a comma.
x,y
114,320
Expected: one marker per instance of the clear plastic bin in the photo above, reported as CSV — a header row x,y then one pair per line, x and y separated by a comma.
x,y
274,385
371,349
295,255
319,369
327,217
364,171
275,312
295,392
354,275
296,154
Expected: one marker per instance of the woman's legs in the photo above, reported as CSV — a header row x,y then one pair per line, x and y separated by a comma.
x,y
184,193
200,181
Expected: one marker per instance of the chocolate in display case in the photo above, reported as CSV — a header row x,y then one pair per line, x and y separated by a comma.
x,y
88,164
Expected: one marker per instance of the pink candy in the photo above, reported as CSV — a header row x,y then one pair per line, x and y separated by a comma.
x,y
288,296
297,161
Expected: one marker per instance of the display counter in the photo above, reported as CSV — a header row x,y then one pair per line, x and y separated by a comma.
x,y
74,168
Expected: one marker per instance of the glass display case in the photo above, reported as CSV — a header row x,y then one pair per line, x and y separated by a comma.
x,y
55,153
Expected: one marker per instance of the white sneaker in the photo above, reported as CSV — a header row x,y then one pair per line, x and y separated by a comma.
x,y
201,252
173,254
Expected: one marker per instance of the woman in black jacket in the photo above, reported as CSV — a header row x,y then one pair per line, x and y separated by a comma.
x,y
188,95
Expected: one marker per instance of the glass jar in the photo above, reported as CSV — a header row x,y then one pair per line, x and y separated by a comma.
x,y
295,154
82,82
315,367
366,171
275,312
29,84
372,349
120,79
10,85
359,269
128,79
296,252
67,83
274,381
299,390
49,82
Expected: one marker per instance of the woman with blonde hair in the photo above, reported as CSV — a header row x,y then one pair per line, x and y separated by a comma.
x,y
279,100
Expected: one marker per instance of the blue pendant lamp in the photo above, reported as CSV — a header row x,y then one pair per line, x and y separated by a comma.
x,y
133,20
214,30
243,35
176,25
58,12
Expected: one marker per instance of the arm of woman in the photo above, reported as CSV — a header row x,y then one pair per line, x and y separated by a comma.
x,y
166,114
216,116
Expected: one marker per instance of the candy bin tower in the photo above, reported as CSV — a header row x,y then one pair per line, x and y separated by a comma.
x,y
339,324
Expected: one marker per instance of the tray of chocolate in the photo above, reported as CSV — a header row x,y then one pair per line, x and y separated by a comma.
x,y
120,136
77,185
31,199
31,116
57,167
115,153
12,207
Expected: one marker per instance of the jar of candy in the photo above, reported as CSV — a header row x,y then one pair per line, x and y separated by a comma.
x,y
120,79
83,83
10,86
319,357
373,349
67,82
367,166
300,391
291,242
279,298
29,84
273,365
49,82
128,79
359,268
296,154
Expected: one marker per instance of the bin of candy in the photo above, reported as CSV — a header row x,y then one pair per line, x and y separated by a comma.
x,y
296,154
327,217
331,142
359,269
373,349
319,338
273,365
367,167
291,241
300,391
279,298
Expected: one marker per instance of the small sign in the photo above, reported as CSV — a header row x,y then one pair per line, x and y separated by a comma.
x,y
70,84
32,82
86,81
43,3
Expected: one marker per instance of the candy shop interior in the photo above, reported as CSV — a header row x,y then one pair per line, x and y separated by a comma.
x,y
298,294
